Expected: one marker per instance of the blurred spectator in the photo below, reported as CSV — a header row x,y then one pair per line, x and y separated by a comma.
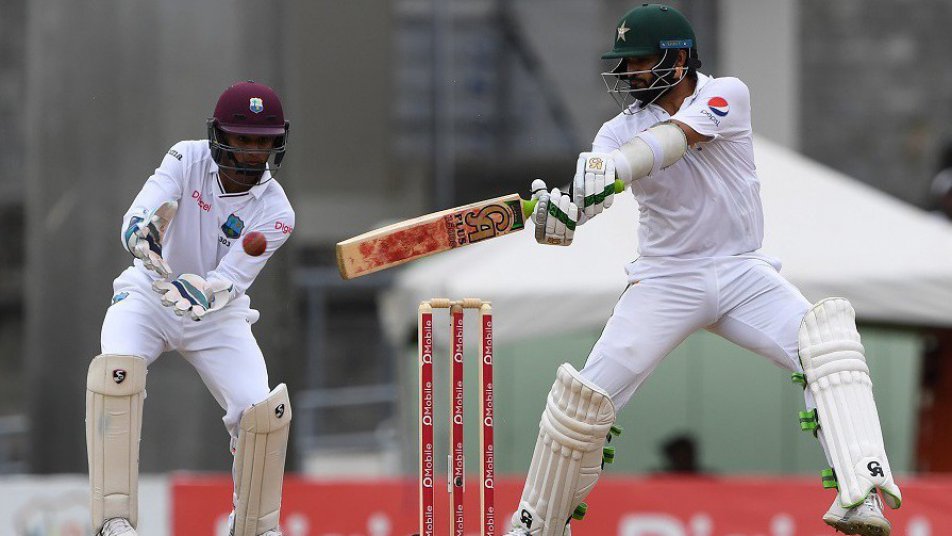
x,y
680,455
941,189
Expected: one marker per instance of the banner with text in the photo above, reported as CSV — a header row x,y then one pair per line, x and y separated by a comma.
x,y
649,506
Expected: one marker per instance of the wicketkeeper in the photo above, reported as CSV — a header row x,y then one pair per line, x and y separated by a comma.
x,y
186,292
684,144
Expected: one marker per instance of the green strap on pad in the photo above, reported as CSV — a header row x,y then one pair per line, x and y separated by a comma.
x,y
580,512
829,479
608,452
799,378
809,421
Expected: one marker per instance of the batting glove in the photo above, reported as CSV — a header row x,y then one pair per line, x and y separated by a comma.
x,y
555,215
593,188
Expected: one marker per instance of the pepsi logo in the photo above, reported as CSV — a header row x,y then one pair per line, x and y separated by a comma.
x,y
719,106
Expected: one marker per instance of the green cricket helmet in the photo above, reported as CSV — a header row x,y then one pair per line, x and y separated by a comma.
x,y
650,30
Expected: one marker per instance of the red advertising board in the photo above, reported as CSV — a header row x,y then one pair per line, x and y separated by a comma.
x,y
650,506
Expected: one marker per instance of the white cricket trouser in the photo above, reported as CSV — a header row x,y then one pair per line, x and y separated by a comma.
x,y
221,346
742,298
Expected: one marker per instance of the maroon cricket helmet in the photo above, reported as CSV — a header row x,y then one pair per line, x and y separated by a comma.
x,y
253,109
250,108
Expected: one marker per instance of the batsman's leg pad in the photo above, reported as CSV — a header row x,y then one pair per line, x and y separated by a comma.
x,y
259,463
836,373
115,391
567,459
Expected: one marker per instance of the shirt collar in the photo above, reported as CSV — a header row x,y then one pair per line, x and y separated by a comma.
x,y
256,191
702,81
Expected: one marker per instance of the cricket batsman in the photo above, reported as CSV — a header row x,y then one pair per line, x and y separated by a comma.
x,y
186,291
683,143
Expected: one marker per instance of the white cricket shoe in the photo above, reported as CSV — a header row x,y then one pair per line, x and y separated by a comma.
x,y
866,519
117,526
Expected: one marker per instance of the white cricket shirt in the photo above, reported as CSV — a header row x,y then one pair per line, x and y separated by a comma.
x,y
205,235
708,203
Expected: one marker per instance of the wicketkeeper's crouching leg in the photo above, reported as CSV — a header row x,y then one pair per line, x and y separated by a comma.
x,y
115,390
845,419
568,456
259,465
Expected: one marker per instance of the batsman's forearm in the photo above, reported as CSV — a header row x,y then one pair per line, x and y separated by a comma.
x,y
650,151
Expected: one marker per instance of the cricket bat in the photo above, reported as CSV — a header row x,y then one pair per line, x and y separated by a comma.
x,y
441,231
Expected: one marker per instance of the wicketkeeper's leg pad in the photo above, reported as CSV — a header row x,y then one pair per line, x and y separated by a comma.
x,y
115,391
259,464
568,455
836,373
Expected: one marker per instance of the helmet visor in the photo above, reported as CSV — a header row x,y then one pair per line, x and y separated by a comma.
x,y
625,86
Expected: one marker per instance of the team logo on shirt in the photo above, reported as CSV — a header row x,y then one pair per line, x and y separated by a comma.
x,y
719,106
233,227
256,105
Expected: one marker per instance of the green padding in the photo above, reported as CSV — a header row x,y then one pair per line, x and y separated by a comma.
x,y
799,378
579,512
809,421
615,431
829,479
608,455
555,211
600,196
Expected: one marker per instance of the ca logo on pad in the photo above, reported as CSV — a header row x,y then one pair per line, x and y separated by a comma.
x,y
719,106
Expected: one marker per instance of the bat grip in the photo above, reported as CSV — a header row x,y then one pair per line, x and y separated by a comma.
x,y
528,207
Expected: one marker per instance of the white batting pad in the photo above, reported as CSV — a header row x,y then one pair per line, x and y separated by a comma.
x,y
259,463
836,372
568,454
115,390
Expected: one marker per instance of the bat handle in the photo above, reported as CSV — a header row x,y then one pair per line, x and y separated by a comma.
x,y
528,207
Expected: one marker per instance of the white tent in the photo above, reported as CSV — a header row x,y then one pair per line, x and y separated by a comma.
x,y
835,236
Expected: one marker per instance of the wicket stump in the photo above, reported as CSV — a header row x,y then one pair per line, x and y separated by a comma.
x,y
456,468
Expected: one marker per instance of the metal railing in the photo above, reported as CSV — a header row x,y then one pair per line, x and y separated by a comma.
x,y
321,409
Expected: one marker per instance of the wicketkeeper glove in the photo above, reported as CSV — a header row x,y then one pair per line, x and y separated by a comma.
x,y
192,295
144,234
555,215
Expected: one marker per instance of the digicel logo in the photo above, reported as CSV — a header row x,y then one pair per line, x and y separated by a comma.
x,y
280,226
201,204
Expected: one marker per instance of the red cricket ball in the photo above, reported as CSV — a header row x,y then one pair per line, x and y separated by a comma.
x,y
254,243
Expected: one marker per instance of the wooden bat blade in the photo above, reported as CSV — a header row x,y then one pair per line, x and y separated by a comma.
x,y
433,233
